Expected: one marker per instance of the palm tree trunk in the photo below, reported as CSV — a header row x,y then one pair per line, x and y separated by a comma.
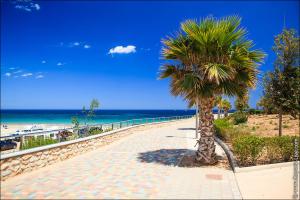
x,y
280,122
206,148
225,113
197,125
219,112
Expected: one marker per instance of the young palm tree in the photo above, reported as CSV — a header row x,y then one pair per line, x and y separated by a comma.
x,y
208,59
226,107
218,103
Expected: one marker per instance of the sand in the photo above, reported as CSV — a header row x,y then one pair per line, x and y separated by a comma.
x,y
267,125
12,128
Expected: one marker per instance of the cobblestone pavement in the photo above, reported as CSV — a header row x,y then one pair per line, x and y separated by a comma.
x,y
141,165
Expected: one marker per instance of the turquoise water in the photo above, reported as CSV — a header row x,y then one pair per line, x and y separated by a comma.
x,y
101,116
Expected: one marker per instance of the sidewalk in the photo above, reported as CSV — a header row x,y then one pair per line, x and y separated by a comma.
x,y
141,165
273,181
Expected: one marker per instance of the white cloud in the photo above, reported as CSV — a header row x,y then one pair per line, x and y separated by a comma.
x,y
17,72
12,68
26,74
86,46
26,8
37,6
60,64
43,61
26,5
122,50
7,74
39,76
73,44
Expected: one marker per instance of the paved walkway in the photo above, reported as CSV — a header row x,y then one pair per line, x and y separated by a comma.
x,y
141,165
273,181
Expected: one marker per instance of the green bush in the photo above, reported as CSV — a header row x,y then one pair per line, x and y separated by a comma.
x,y
239,117
226,131
37,142
222,128
272,149
248,148
95,130
253,111
285,144
281,148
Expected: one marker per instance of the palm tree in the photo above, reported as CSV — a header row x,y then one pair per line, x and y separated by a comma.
x,y
226,107
207,59
218,103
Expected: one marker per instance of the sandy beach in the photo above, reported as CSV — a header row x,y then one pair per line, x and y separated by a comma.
x,y
12,128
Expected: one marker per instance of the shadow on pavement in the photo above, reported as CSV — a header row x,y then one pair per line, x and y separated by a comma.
x,y
170,157
186,129
171,136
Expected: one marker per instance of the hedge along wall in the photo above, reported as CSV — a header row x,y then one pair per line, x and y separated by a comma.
x,y
24,161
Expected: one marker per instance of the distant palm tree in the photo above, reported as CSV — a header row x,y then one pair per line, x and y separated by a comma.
x,y
218,103
226,107
208,59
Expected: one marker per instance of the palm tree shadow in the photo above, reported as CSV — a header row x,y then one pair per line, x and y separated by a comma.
x,y
171,136
169,157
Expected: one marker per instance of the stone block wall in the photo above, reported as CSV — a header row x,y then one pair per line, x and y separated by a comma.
x,y
32,159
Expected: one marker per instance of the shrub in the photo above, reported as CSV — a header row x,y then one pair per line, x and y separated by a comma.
x,y
36,142
221,128
253,111
95,130
64,135
239,117
108,129
281,148
272,149
248,147
285,144
225,130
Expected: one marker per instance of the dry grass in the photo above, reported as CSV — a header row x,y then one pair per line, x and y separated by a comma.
x,y
267,125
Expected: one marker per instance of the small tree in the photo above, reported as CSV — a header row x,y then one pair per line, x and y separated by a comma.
x,y
94,105
226,107
218,103
75,122
89,114
241,102
282,85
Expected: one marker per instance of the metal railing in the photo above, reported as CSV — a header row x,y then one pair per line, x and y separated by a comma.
x,y
83,131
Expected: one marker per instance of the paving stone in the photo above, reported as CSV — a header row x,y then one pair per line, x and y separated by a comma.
x,y
141,165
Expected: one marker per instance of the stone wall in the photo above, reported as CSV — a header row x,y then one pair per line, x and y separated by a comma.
x,y
24,161
28,160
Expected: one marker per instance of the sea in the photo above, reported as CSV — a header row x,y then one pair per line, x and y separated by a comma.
x,y
100,117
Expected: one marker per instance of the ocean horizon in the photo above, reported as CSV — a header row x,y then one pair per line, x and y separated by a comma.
x,y
63,116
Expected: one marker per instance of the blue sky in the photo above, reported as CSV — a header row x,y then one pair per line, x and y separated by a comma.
x,y
63,54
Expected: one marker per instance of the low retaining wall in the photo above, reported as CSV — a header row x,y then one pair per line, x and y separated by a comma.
x,y
229,154
20,162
